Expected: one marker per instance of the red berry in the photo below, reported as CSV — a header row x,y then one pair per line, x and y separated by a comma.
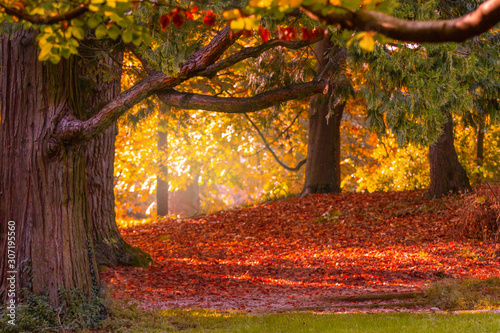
x,y
164,22
178,20
264,34
209,18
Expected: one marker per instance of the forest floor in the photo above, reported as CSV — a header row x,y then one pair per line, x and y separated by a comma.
x,y
304,254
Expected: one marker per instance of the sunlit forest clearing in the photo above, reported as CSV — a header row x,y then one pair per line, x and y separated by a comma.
x,y
304,252
253,165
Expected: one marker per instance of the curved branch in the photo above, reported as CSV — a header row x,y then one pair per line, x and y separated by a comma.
x,y
296,168
38,19
279,135
73,130
456,30
190,101
252,52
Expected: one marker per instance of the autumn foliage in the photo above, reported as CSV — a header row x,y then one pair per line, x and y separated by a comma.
x,y
481,214
296,252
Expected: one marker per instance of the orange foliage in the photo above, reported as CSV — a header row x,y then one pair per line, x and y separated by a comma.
x,y
289,252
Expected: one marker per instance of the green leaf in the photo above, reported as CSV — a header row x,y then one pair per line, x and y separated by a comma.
x,y
78,32
73,42
101,32
94,21
114,32
54,58
66,53
77,23
137,41
128,36
352,4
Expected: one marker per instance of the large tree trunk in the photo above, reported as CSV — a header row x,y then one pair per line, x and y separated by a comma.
x,y
42,190
447,174
323,144
98,85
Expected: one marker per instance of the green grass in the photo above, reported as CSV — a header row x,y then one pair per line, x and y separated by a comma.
x,y
446,294
452,294
212,321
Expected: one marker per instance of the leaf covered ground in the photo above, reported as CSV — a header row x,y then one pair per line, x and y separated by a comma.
x,y
300,252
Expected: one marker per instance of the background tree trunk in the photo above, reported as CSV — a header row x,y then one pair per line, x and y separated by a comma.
x,y
186,202
447,174
323,144
97,85
161,178
479,148
44,193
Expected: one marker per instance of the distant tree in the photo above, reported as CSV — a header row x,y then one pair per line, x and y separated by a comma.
x,y
325,115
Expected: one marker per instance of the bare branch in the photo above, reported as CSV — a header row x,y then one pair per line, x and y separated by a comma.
x,y
279,135
38,19
296,168
189,101
456,30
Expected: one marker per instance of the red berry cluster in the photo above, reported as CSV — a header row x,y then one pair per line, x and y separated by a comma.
x,y
312,34
178,17
290,33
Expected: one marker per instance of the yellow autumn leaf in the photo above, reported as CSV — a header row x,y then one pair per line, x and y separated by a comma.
x,y
289,3
251,23
238,24
367,43
260,3
231,14
335,2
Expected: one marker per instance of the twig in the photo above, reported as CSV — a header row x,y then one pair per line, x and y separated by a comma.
x,y
491,189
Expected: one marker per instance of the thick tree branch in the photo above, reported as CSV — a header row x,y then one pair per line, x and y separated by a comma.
x,y
71,130
296,168
189,101
253,52
38,19
456,30
210,53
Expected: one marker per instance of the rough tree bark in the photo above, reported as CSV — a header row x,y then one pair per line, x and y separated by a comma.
x,y
447,174
99,84
42,190
43,133
323,143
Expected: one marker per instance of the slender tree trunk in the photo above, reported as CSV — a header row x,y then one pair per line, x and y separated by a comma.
x,y
447,174
479,148
43,191
323,146
98,86
161,178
